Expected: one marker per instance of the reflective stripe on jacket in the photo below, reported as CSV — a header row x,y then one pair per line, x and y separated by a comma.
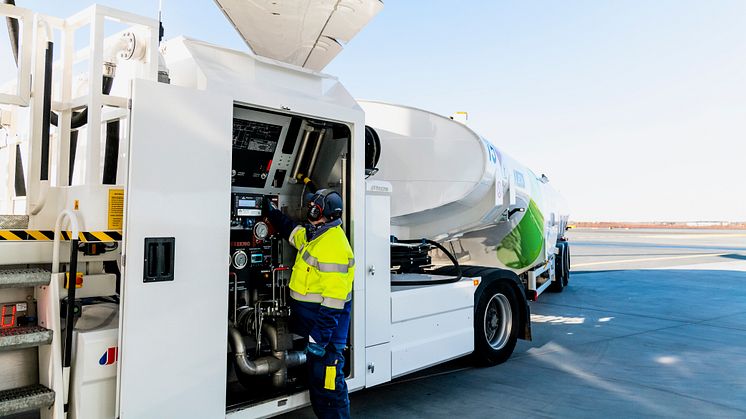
x,y
324,267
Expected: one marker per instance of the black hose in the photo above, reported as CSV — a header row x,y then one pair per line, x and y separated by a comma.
x,y
435,281
73,151
79,119
20,184
46,111
12,24
111,152
72,281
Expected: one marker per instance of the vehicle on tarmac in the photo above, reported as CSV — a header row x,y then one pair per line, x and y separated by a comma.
x,y
138,274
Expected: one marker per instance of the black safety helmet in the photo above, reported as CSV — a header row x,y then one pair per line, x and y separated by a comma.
x,y
325,202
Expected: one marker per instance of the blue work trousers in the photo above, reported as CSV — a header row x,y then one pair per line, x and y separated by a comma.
x,y
326,381
327,384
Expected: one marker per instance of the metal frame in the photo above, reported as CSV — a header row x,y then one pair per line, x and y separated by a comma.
x,y
95,17
23,87
37,30
533,274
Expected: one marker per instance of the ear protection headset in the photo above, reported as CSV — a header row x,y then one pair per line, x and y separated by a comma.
x,y
317,206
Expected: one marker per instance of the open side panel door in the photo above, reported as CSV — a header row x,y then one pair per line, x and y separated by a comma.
x,y
172,351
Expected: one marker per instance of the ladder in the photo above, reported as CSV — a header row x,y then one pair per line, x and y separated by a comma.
x,y
22,397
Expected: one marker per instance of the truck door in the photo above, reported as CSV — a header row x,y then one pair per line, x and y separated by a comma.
x,y
172,348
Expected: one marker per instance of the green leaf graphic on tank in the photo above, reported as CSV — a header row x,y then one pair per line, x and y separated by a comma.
x,y
520,248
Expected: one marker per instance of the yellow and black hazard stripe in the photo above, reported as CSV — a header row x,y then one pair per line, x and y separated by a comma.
x,y
48,235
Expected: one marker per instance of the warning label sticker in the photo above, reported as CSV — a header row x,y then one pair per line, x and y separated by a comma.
x,y
116,208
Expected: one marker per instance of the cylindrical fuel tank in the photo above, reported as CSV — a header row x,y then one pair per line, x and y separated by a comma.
x,y
453,186
430,160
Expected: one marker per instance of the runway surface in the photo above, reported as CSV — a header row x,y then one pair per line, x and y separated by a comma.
x,y
653,324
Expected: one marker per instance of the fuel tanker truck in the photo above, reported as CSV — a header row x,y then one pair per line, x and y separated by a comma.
x,y
139,276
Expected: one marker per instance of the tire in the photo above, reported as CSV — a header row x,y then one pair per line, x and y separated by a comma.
x,y
496,324
567,264
560,279
561,268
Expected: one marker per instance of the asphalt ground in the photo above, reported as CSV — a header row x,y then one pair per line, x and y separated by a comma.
x,y
653,324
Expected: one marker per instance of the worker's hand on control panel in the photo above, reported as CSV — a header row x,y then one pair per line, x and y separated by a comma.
x,y
267,206
315,349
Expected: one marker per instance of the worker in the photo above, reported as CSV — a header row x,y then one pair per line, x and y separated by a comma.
x,y
321,296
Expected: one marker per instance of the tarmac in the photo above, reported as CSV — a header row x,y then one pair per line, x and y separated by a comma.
x,y
653,324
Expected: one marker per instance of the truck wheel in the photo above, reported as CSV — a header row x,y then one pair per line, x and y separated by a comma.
x,y
496,324
560,269
567,264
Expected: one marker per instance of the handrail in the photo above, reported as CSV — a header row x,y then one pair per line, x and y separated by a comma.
x,y
72,279
57,226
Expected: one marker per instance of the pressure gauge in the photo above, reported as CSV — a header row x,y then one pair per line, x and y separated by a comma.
x,y
240,259
261,231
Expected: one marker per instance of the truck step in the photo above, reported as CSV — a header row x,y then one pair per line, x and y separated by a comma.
x,y
13,222
24,277
24,337
25,399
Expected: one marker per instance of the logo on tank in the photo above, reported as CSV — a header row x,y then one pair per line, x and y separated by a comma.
x,y
493,153
109,357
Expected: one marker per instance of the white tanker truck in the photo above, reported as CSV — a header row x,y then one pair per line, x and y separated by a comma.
x,y
139,168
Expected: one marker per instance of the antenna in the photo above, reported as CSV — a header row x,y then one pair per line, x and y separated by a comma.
x,y
160,21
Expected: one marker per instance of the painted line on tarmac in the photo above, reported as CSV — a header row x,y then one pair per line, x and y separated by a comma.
x,y
688,236
611,262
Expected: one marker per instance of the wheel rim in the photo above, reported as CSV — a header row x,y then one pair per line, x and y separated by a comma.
x,y
498,321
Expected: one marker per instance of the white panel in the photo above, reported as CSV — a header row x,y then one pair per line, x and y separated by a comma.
x,y
94,366
427,341
378,365
377,263
173,334
290,31
273,407
414,302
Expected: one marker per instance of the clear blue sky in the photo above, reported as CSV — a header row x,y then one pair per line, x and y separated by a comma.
x,y
636,110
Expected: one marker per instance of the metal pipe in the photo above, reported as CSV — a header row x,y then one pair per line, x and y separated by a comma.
x,y
261,366
301,152
12,24
271,331
235,295
274,282
344,187
315,154
295,358
280,377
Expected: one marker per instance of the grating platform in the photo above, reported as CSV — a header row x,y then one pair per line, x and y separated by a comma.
x,y
26,277
13,222
24,337
25,399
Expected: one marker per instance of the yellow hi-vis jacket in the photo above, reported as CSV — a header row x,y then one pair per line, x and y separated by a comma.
x,y
323,270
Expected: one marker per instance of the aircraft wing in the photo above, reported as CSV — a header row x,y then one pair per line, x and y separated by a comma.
x,y
306,33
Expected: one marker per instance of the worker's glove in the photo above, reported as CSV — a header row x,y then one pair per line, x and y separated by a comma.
x,y
267,206
315,349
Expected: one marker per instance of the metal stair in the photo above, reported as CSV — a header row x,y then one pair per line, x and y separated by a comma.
x,y
24,337
9,222
25,399
33,397
24,277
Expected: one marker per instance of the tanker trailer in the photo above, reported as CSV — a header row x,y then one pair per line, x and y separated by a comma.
x,y
454,187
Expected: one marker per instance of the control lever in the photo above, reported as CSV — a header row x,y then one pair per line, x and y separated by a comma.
x,y
274,282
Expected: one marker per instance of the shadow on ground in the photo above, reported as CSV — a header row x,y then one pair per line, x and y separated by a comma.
x,y
634,343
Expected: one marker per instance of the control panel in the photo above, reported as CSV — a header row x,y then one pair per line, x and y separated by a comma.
x,y
255,248
254,145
